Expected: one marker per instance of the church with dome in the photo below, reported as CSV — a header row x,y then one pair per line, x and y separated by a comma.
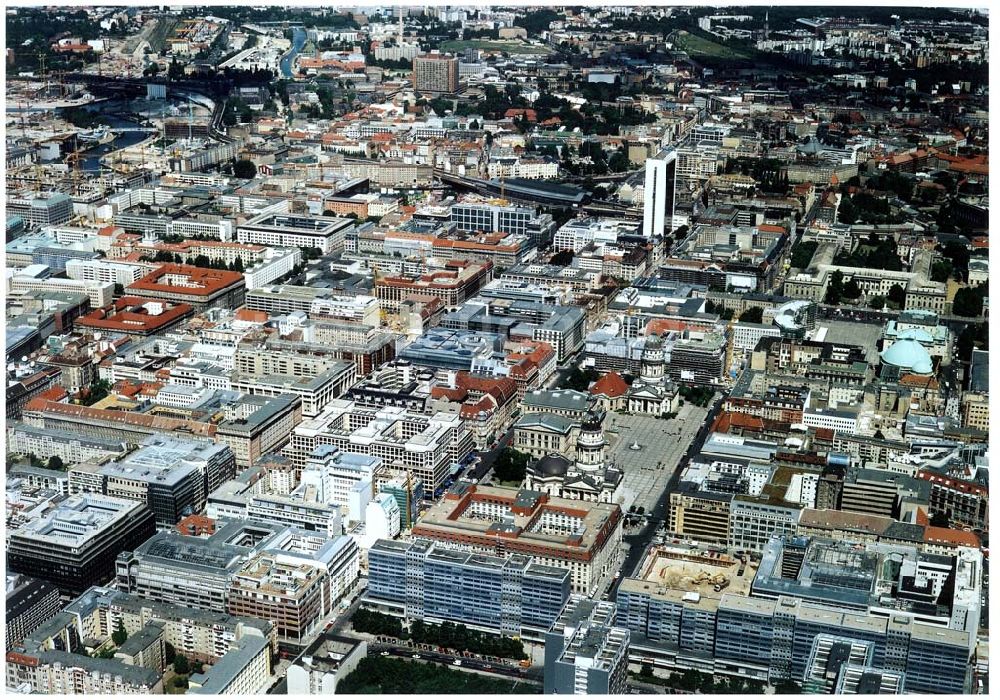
x,y
913,347
652,393
586,477
906,356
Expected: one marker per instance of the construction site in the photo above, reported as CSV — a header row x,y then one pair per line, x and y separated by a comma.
x,y
692,575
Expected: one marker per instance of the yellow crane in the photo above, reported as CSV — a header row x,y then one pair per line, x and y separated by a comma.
x,y
74,159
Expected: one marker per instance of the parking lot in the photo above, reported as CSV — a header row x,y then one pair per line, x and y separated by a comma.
x,y
661,443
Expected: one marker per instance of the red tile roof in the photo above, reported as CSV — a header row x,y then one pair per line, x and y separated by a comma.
x,y
133,315
196,525
200,280
611,385
949,536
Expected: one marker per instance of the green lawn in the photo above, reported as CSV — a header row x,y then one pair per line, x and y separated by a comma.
x,y
695,46
487,45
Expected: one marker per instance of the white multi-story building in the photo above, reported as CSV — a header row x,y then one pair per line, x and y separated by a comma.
x,y
296,512
840,420
697,163
425,446
105,271
323,232
659,194
286,299
360,308
70,447
537,169
576,234
334,474
277,263
746,335
67,235
244,670
382,518
189,228
398,52
315,391
802,489
65,673
100,293
753,523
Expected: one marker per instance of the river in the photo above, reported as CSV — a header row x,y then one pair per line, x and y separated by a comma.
x,y
107,109
92,161
298,41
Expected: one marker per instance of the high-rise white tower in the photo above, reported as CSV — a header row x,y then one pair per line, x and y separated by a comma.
x,y
658,198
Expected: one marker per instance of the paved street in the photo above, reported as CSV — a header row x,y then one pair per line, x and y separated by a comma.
x,y
638,540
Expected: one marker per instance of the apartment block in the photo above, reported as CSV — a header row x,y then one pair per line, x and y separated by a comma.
x,y
508,595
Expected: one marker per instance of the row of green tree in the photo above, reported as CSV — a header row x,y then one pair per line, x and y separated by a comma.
x,y
82,118
591,118
97,391
581,379
875,253
600,162
237,112
838,291
866,208
390,63
511,465
770,173
754,314
448,635
54,463
725,313
698,395
969,301
973,336
381,675
459,637
327,18
802,254
199,261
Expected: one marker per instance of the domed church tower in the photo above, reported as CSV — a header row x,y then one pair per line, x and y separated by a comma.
x,y
591,446
651,362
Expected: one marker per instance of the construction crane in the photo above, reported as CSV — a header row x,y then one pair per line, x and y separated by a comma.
x,y
74,160
409,487
24,130
42,58
729,343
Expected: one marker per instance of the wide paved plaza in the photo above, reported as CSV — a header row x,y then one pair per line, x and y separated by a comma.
x,y
661,444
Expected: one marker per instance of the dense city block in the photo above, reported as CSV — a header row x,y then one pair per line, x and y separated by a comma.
x,y
497,350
